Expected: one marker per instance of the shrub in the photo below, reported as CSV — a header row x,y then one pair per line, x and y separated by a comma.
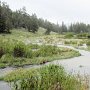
x,y
88,36
69,35
2,52
82,35
18,51
67,42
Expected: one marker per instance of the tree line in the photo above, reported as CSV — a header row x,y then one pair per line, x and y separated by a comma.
x,y
21,19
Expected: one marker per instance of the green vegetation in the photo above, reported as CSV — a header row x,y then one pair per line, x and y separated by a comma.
x,y
69,35
16,53
45,78
16,50
18,30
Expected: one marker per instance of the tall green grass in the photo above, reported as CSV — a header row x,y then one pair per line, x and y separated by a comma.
x,y
17,53
51,77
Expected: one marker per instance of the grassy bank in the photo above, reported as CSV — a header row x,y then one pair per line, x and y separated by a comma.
x,y
16,53
45,78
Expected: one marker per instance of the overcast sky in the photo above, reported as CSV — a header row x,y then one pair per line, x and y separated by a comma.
x,y
55,10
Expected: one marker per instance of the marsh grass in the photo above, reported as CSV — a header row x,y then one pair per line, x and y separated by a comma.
x,y
50,77
17,53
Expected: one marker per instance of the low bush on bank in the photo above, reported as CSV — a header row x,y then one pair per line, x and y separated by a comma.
x,y
82,35
69,35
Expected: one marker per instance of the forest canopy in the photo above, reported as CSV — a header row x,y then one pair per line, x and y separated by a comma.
x,y
21,19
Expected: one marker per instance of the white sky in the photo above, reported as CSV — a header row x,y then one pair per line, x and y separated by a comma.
x,y
55,10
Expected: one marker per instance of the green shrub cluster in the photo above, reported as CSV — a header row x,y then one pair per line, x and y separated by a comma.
x,y
69,35
2,52
82,35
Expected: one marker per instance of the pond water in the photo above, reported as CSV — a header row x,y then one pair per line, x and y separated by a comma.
x,y
4,86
